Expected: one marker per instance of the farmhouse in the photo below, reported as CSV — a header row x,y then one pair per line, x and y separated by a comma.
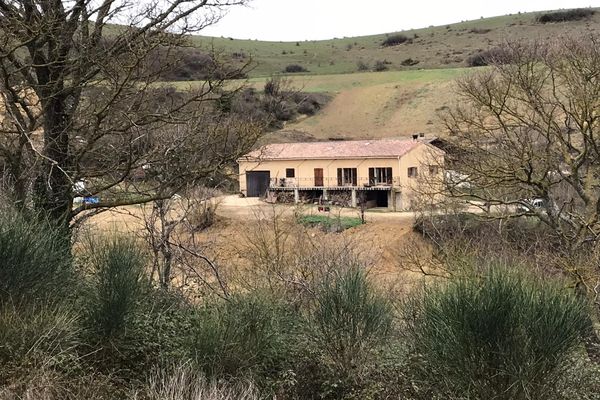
x,y
382,173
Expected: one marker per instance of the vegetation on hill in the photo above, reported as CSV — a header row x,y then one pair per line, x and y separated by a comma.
x,y
446,46
567,15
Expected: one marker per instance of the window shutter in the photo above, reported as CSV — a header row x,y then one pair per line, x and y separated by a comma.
x,y
339,176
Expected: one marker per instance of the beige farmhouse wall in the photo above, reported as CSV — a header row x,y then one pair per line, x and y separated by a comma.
x,y
420,157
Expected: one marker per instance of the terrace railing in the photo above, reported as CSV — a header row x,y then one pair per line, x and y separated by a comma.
x,y
330,182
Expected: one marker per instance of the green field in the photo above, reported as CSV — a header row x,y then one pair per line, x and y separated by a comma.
x,y
337,223
334,83
433,47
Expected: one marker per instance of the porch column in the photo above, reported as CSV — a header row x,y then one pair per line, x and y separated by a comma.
x,y
353,197
296,196
325,194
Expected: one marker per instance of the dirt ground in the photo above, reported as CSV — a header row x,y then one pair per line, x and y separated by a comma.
x,y
226,240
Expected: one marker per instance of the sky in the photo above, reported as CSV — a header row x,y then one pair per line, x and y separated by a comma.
x,y
291,20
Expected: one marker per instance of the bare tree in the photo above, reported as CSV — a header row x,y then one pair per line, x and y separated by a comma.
x,y
529,129
172,230
287,257
81,102
525,141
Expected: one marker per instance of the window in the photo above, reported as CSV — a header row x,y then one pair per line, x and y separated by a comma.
x,y
412,172
379,176
346,176
290,172
433,170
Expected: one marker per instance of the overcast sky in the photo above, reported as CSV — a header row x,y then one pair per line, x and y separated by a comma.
x,y
290,20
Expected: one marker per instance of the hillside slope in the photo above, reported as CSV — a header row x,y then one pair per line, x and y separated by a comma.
x,y
374,104
434,47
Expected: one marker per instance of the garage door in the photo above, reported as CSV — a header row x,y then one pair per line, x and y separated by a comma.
x,y
257,183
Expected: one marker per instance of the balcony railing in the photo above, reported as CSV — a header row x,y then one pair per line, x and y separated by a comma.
x,y
330,182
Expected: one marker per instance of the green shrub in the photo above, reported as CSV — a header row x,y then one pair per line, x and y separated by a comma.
x,y
294,68
347,327
117,283
328,223
36,337
504,335
566,15
380,66
394,40
245,334
35,262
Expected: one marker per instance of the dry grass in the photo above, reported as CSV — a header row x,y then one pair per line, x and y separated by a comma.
x,y
184,383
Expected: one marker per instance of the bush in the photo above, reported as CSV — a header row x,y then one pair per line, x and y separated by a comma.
x,y
504,335
246,334
409,62
362,66
394,40
348,323
380,66
36,337
116,284
495,55
273,86
35,260
567,15
294,68
480,31
190,64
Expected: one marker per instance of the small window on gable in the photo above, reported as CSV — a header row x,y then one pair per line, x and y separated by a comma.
x,y
433,170
290,172
412,172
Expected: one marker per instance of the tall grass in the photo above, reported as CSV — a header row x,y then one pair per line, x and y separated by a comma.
x,y
35,338
117,283
35,262
248,334
505,335
349,317
185,383
348,324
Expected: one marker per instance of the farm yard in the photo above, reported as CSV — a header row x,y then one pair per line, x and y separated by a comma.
x,y
236,216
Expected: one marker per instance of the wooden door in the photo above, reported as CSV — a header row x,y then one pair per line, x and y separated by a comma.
x,y
318,176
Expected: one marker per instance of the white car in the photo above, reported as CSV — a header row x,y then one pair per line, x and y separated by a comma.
x,y
528,205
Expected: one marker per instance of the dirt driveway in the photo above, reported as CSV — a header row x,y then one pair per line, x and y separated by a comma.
x,y
236,207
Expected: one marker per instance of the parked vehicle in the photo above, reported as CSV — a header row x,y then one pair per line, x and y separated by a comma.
x,y
528,205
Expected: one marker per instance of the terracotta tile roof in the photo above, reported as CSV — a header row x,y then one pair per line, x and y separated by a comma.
x,y
377,148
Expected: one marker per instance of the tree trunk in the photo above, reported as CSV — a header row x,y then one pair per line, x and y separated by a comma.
x,y
53,186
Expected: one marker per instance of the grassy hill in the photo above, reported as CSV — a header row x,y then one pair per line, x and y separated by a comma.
x,y
397,102
434,47
374,104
